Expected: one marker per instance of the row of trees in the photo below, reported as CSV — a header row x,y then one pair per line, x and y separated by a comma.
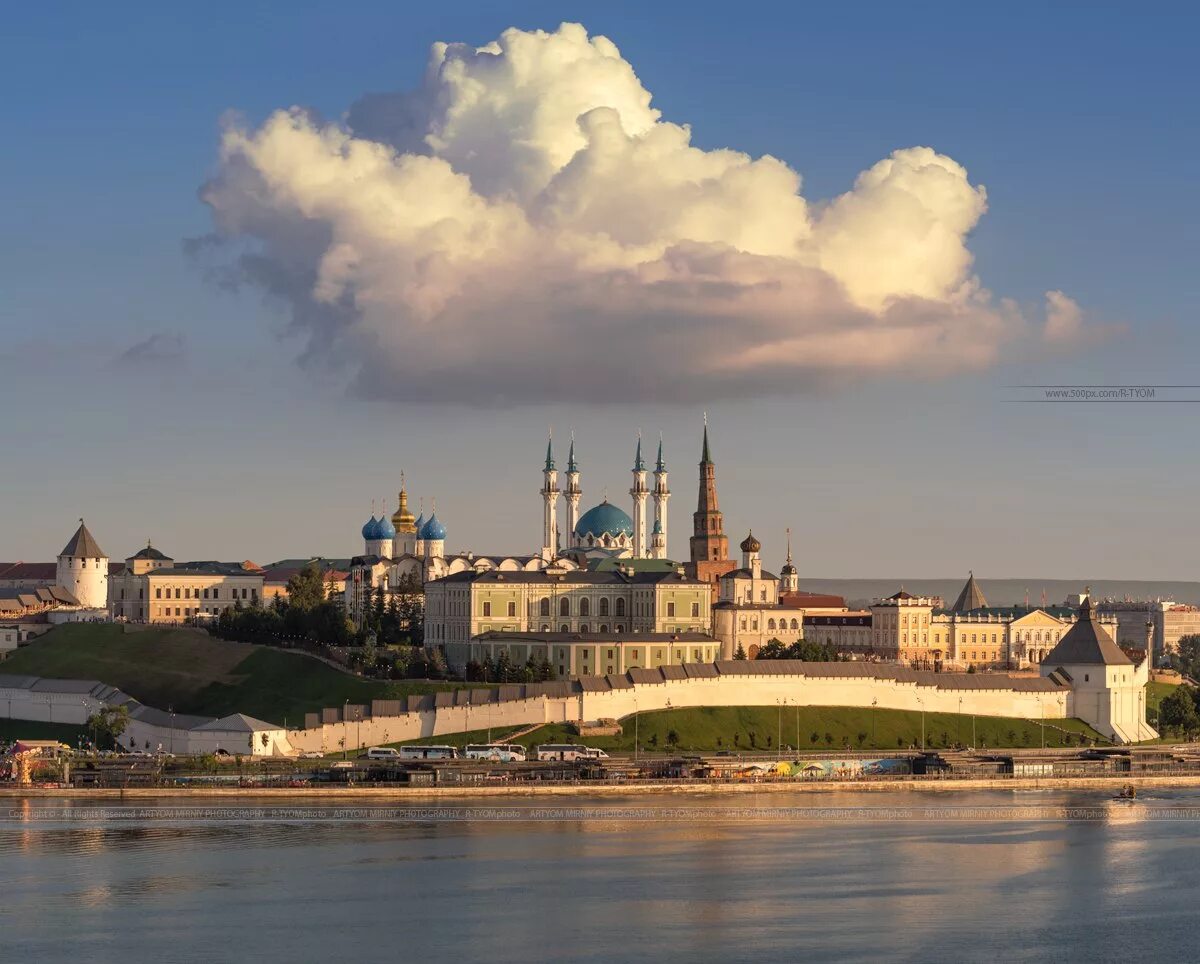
x,y
801,649
504,670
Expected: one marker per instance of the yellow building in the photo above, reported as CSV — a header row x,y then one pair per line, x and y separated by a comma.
x,y
152,587
599,654
647,596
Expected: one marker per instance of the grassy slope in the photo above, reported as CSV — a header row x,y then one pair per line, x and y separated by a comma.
x,y
195,673
715,728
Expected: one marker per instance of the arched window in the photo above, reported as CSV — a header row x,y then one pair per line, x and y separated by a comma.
x,y
584,628
795,625
770,624
545,628
564,628
620,628
621,607
584,608
564,607
604,606
545,606
604,627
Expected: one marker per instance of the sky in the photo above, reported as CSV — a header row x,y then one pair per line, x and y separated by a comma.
x,y
259,260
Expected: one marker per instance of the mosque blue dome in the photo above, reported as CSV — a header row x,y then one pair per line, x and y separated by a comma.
x,y
419,525
370,528
385,530
433,529
604,519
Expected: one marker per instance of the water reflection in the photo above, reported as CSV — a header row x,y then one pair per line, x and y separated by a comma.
x,y
198,888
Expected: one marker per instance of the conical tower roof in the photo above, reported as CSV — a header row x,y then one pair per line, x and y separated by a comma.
x,y
1087,642
971,597
83,545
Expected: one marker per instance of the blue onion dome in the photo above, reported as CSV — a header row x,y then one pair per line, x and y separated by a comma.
x,y
433,529
370,528
604,519
419,525
385,530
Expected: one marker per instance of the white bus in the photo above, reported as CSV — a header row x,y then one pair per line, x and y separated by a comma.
x,y
383,753
428,753
566,752
496,752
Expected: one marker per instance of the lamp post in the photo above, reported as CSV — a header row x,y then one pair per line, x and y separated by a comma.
x,y
635,726
874,703
779,732
960,720
922,703
345,727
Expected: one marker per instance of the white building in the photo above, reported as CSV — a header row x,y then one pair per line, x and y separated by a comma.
x,y
1107,690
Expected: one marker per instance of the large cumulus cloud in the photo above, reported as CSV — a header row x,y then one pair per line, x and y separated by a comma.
x,y
525,225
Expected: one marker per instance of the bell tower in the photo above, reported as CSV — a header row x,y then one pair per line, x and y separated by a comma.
x,y
709,544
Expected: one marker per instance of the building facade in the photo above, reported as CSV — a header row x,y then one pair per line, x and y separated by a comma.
x,y
618,601
153,588
602,654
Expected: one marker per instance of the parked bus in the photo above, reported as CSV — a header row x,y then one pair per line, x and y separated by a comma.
x,y
383,753
428,753
496,752
567,752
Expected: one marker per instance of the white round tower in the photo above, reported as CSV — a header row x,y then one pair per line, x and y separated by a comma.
x,y
83,569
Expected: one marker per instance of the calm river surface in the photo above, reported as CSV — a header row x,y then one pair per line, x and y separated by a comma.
x,y
854,876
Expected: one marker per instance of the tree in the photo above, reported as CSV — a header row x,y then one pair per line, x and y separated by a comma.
x,y
306,588
814,738
474,672
504,667
740,652
108,723
1177,711
672,738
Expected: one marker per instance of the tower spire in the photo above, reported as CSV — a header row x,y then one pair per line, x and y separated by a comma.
x,y
705,458
549,452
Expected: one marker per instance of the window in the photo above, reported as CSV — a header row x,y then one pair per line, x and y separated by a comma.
x,y
544,609
670,609
762,595
695,610
487,609
176,596
512,609
620,607
564,608
564,628
604,606
770,624
584,607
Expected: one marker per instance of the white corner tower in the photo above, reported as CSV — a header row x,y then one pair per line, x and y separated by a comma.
x,y
658,548
550,495
640,493
573,493
83,569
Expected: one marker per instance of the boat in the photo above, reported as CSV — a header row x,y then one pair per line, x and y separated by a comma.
x,y
1127,794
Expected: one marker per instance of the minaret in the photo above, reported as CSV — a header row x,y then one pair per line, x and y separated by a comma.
x,y
550,505
658,542
709,544
574,493
639,493
791,580
661,494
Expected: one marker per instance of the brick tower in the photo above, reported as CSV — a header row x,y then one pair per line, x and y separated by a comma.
x,y
709,544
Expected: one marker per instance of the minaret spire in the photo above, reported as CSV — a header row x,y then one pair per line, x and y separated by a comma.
x,y
549,493
658,547
639,492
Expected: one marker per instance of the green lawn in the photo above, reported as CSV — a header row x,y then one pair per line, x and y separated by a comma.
x,y
758,728
195,673
1155,693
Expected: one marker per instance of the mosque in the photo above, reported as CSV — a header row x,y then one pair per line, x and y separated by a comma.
x,y
404,547
403,552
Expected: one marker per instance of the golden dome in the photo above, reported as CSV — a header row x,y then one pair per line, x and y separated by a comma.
x,y
402,519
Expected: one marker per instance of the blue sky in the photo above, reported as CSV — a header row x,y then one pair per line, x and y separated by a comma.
x,y
1079,122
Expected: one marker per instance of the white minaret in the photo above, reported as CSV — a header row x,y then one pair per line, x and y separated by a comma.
x,y
83,569
639,493
574,493
550,503
791,580
661,494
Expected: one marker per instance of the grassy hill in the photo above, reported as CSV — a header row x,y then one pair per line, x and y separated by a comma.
x,y
196,673
759,728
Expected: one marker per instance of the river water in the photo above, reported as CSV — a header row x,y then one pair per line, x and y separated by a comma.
x,y
971,876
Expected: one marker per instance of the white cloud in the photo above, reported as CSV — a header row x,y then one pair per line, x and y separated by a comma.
x,y
525,225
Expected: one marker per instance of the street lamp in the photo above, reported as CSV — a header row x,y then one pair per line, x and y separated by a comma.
x,y
922,704
779,731
635,726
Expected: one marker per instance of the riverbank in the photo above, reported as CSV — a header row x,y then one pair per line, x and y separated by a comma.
x,y
337,793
